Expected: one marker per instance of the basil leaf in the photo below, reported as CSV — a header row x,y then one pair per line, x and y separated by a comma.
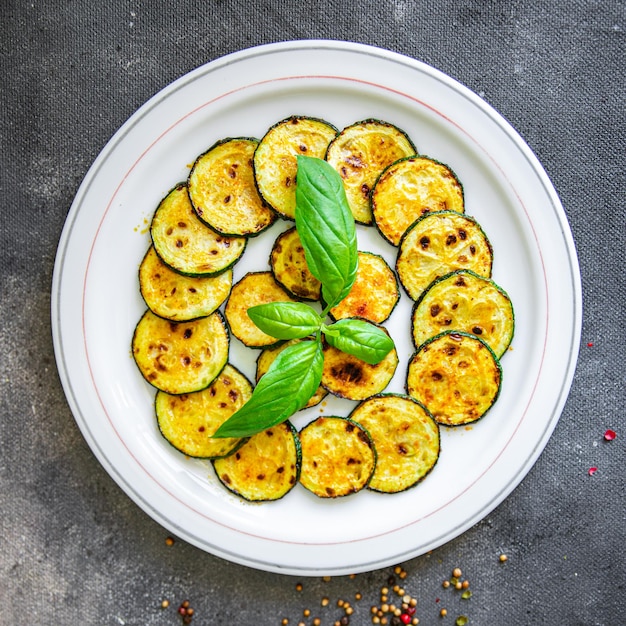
x,y
359,338
285,320
326,228
292,378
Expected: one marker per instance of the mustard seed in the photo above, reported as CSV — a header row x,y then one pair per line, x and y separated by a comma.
x,y
465,584
325,601
169,541
165,604
298,586
445,584
503,558
456,572
443,613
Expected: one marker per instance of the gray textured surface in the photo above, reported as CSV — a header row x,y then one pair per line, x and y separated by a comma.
x,y
73,548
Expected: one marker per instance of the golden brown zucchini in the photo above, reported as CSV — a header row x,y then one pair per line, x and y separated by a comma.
x,y
223,191
406,438
409,188
266,467
275,164
177,297
456,376
347,376
254,288
186,244
338,457
374,294
266,358
290,269
360,152
180,357
463,300
189,420
439,243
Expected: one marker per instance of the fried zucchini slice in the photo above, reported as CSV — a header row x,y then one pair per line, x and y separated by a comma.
x,y
374,294
347,376
463,300
456,376
275,163
180,357
223,191
178,297
439,243
189,420
266,467
360,153
187,245
409,188
254,288
266,358
338,457
290,268
406,438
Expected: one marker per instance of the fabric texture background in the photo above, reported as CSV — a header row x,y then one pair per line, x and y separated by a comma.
x,y
74,549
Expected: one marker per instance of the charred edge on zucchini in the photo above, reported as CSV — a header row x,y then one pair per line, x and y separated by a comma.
x,y
359,153
410,188
266,467
456,376
223,191
338,457
463,300
187,245
275,164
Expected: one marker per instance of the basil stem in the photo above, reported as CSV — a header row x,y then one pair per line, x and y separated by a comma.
x,y
292,378
326,228
285,320
360,338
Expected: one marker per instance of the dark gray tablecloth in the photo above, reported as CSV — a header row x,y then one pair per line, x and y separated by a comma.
x,y
74,549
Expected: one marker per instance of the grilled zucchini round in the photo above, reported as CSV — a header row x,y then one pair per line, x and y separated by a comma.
x,y
178,297
254,288
463,300
189,420
374,294
347,376
456,376
360,152
409,188
439,243
266,467
266,358
406,438
290,269
223,191
275,164
187,245
338,457
180,357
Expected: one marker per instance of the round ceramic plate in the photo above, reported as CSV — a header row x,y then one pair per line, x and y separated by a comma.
x,y
96,304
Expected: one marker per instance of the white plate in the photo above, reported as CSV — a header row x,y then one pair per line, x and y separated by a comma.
x,y
96,304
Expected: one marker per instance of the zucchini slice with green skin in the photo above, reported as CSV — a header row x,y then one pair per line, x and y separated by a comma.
x,y
265,467
275,163
338,457
180,357
406,438
178,297
409,188
374,294
189,420
187,245
290,268
347,376
254,288
456,376
463,300
437,244
266,358
360,152
223,191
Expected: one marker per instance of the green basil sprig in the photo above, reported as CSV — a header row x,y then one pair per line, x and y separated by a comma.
x,y
328,235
